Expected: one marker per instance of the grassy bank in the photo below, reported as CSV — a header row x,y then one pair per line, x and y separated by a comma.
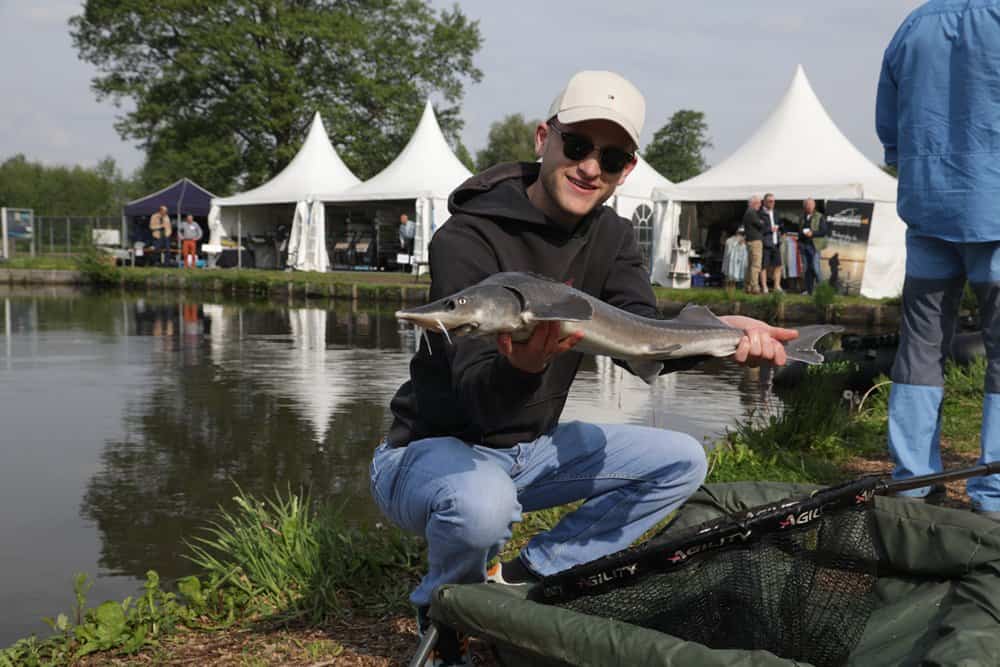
x,y
382,287
287,583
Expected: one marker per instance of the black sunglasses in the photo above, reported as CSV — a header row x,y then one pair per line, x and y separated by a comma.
x,y
576,147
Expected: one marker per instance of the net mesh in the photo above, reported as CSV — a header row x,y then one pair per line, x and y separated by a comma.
x,y
797,580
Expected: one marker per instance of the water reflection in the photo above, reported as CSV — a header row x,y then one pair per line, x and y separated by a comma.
x,y
126,421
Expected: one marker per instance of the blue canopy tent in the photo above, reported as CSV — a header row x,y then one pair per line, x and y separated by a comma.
x,y
181,198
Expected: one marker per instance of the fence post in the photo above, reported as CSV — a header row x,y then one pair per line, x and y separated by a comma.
x,y
52,238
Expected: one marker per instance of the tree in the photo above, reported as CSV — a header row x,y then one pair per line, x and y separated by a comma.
x,y
676,150
60,190
224,91
510,139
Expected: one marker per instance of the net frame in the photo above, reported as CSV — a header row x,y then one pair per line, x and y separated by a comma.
x,y
702,541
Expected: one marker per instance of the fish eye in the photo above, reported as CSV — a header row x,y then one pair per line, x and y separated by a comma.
x,y
462,301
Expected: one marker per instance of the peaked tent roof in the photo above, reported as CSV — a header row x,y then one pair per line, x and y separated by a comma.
x,y
185,194
642,181
797,152
315,169
426,167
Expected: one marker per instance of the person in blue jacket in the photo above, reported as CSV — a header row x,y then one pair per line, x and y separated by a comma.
x,y
938,117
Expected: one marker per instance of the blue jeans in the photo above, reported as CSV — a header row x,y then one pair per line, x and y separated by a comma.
x,y
936,271
464,498
810,266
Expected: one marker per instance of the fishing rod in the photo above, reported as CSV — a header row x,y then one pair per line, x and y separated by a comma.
x,y
991,468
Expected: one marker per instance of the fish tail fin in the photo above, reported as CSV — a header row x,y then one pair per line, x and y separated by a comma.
x,y
801,349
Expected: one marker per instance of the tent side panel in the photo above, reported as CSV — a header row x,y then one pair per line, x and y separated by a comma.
x,y
885,262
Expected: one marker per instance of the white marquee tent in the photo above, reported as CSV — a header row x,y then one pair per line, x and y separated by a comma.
x,y
426,172
798,152
290,195
633,200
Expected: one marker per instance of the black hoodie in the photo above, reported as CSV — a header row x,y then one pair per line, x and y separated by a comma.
x,y
469,390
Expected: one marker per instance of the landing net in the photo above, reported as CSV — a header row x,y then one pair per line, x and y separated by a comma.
x,y
795,578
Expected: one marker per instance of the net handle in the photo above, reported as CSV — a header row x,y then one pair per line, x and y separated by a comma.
x,y
991,468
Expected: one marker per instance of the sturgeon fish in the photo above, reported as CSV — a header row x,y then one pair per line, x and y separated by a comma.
x,y
515,303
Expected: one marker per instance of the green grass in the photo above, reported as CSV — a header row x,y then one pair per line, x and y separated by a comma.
x,y
715,295
299,563
41,262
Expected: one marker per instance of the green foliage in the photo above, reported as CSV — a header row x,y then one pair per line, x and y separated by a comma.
x,y
98,268
224,92
805,442
510,140
60,190
295,563
123,627
890,169
970,303
677,149
824,296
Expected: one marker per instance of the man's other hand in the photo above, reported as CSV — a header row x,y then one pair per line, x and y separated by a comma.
x,y
534,354
760,342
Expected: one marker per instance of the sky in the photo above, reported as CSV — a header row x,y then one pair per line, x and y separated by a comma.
x,y
731,59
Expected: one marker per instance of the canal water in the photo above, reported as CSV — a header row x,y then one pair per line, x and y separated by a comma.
x,y
126,421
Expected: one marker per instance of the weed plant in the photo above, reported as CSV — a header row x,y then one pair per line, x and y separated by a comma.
x,y
296,563
824,295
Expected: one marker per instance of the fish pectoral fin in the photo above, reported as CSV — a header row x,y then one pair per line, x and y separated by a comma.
x,y
665,351
571,309
647,369
695,314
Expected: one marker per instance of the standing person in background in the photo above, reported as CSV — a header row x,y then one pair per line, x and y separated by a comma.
x,y
407,232
754,230
938,117
772,245
162,230
190,233
812,226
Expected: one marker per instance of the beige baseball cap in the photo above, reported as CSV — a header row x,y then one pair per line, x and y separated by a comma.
x,y
592,95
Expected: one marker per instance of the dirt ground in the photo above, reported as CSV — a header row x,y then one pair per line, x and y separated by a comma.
x,y
387,642
951,461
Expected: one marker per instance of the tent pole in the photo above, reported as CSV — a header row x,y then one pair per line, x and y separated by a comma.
x,y
239,238
3,230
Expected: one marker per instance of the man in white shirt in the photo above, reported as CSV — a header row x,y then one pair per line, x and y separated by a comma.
x,y
772,245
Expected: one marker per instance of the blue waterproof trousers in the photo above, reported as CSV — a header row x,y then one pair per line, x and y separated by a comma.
x,y
936,272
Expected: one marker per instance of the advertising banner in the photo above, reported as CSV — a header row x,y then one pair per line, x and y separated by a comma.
x,y
844,248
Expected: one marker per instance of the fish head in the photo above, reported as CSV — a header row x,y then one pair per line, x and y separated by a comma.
x,y
480,310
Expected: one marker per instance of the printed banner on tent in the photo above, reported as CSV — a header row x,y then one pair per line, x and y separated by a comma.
x,y
843,251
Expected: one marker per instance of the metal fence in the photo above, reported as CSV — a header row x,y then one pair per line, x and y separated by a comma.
x,y
66,235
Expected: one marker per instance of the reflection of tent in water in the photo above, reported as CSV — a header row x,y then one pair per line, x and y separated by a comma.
x,y
219,338
314,380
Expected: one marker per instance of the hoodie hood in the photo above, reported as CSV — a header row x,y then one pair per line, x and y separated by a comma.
x,y
499,193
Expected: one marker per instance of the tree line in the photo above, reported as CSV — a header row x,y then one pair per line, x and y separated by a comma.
x,y
224,92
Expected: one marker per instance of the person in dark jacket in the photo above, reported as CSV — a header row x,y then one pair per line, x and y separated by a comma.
x,y
812,225
938,117
476,438
754,229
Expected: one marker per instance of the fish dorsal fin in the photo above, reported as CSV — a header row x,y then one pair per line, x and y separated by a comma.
x,y
695,314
